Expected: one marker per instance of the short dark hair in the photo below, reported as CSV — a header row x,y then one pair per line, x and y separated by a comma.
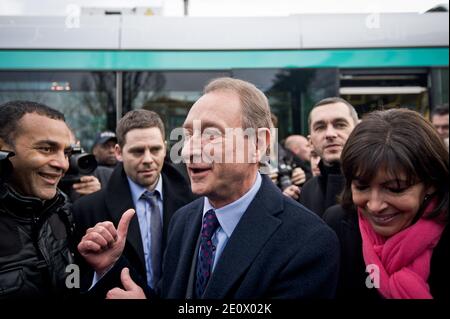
x,y
440,110
398,141
138,119
11,113
332,100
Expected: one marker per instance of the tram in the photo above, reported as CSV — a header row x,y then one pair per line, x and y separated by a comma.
x,y
94,68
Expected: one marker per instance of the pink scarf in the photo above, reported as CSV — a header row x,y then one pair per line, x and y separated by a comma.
x,y
404,258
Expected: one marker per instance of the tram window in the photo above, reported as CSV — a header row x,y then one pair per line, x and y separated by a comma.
x,y
87,99
379,89
292,93
170,94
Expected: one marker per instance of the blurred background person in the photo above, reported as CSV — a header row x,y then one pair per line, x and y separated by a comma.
x,y
440,120
84,175
299,145
314,160
103,149
291,172
330,121
393,218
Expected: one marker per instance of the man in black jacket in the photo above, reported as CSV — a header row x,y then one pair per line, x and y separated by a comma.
x,y
35,224
142,173
330,121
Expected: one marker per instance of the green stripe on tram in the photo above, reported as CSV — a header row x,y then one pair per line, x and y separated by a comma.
x,y
219,60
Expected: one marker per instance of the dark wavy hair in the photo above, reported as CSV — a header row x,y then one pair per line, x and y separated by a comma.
x,y
399,141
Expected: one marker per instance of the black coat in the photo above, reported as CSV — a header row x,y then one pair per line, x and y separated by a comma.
x,y
321,192
34,246
278,250
112,201
352,275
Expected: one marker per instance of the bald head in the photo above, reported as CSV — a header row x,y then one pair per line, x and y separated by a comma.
x,y
298,145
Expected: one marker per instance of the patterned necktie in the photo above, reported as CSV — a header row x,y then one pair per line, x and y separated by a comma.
x,y
156,236
205,259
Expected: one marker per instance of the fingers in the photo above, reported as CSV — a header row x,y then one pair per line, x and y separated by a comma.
x,y
298,173
87,179
116,293
87,185
298,176
292,191
92,243
103,235
98,238
105,229
84,180
126,280
130,291
87,246
122,228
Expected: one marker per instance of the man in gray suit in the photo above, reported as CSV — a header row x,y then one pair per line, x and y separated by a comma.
x,y
242,239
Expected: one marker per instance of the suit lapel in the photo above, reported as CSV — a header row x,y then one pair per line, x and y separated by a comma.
x,y
187,251
171,201
254,229
118,201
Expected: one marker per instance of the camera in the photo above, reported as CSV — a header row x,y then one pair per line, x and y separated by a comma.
x,y
284,174
5,165
80,163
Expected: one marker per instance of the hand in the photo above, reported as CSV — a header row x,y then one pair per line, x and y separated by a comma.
x,y
298,176
131,291
102,244
87,185
292,191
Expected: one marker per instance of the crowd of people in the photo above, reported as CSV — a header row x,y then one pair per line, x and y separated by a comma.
x,y
358,209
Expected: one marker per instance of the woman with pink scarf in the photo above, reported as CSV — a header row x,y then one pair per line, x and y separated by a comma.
x,y
393,217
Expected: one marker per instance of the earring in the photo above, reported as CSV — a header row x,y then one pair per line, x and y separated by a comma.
x,y
426,198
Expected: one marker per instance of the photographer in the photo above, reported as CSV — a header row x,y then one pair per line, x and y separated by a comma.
x,y
35,224
84,176
292,173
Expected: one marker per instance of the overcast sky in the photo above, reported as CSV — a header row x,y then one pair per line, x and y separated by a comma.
x,y
224,7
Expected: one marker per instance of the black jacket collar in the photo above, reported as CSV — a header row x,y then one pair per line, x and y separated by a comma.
x,y
325,170
26,206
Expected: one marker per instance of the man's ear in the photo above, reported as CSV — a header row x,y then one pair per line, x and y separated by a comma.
x,y
310,142
166,147
118,151
94,150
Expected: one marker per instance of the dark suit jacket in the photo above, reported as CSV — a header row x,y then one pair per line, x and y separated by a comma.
x,y
111,202
279,249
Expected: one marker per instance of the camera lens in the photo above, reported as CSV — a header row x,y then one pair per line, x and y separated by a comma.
x,y
86,163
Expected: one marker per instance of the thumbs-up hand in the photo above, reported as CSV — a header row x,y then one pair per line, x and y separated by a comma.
x,y
102,244
130,291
